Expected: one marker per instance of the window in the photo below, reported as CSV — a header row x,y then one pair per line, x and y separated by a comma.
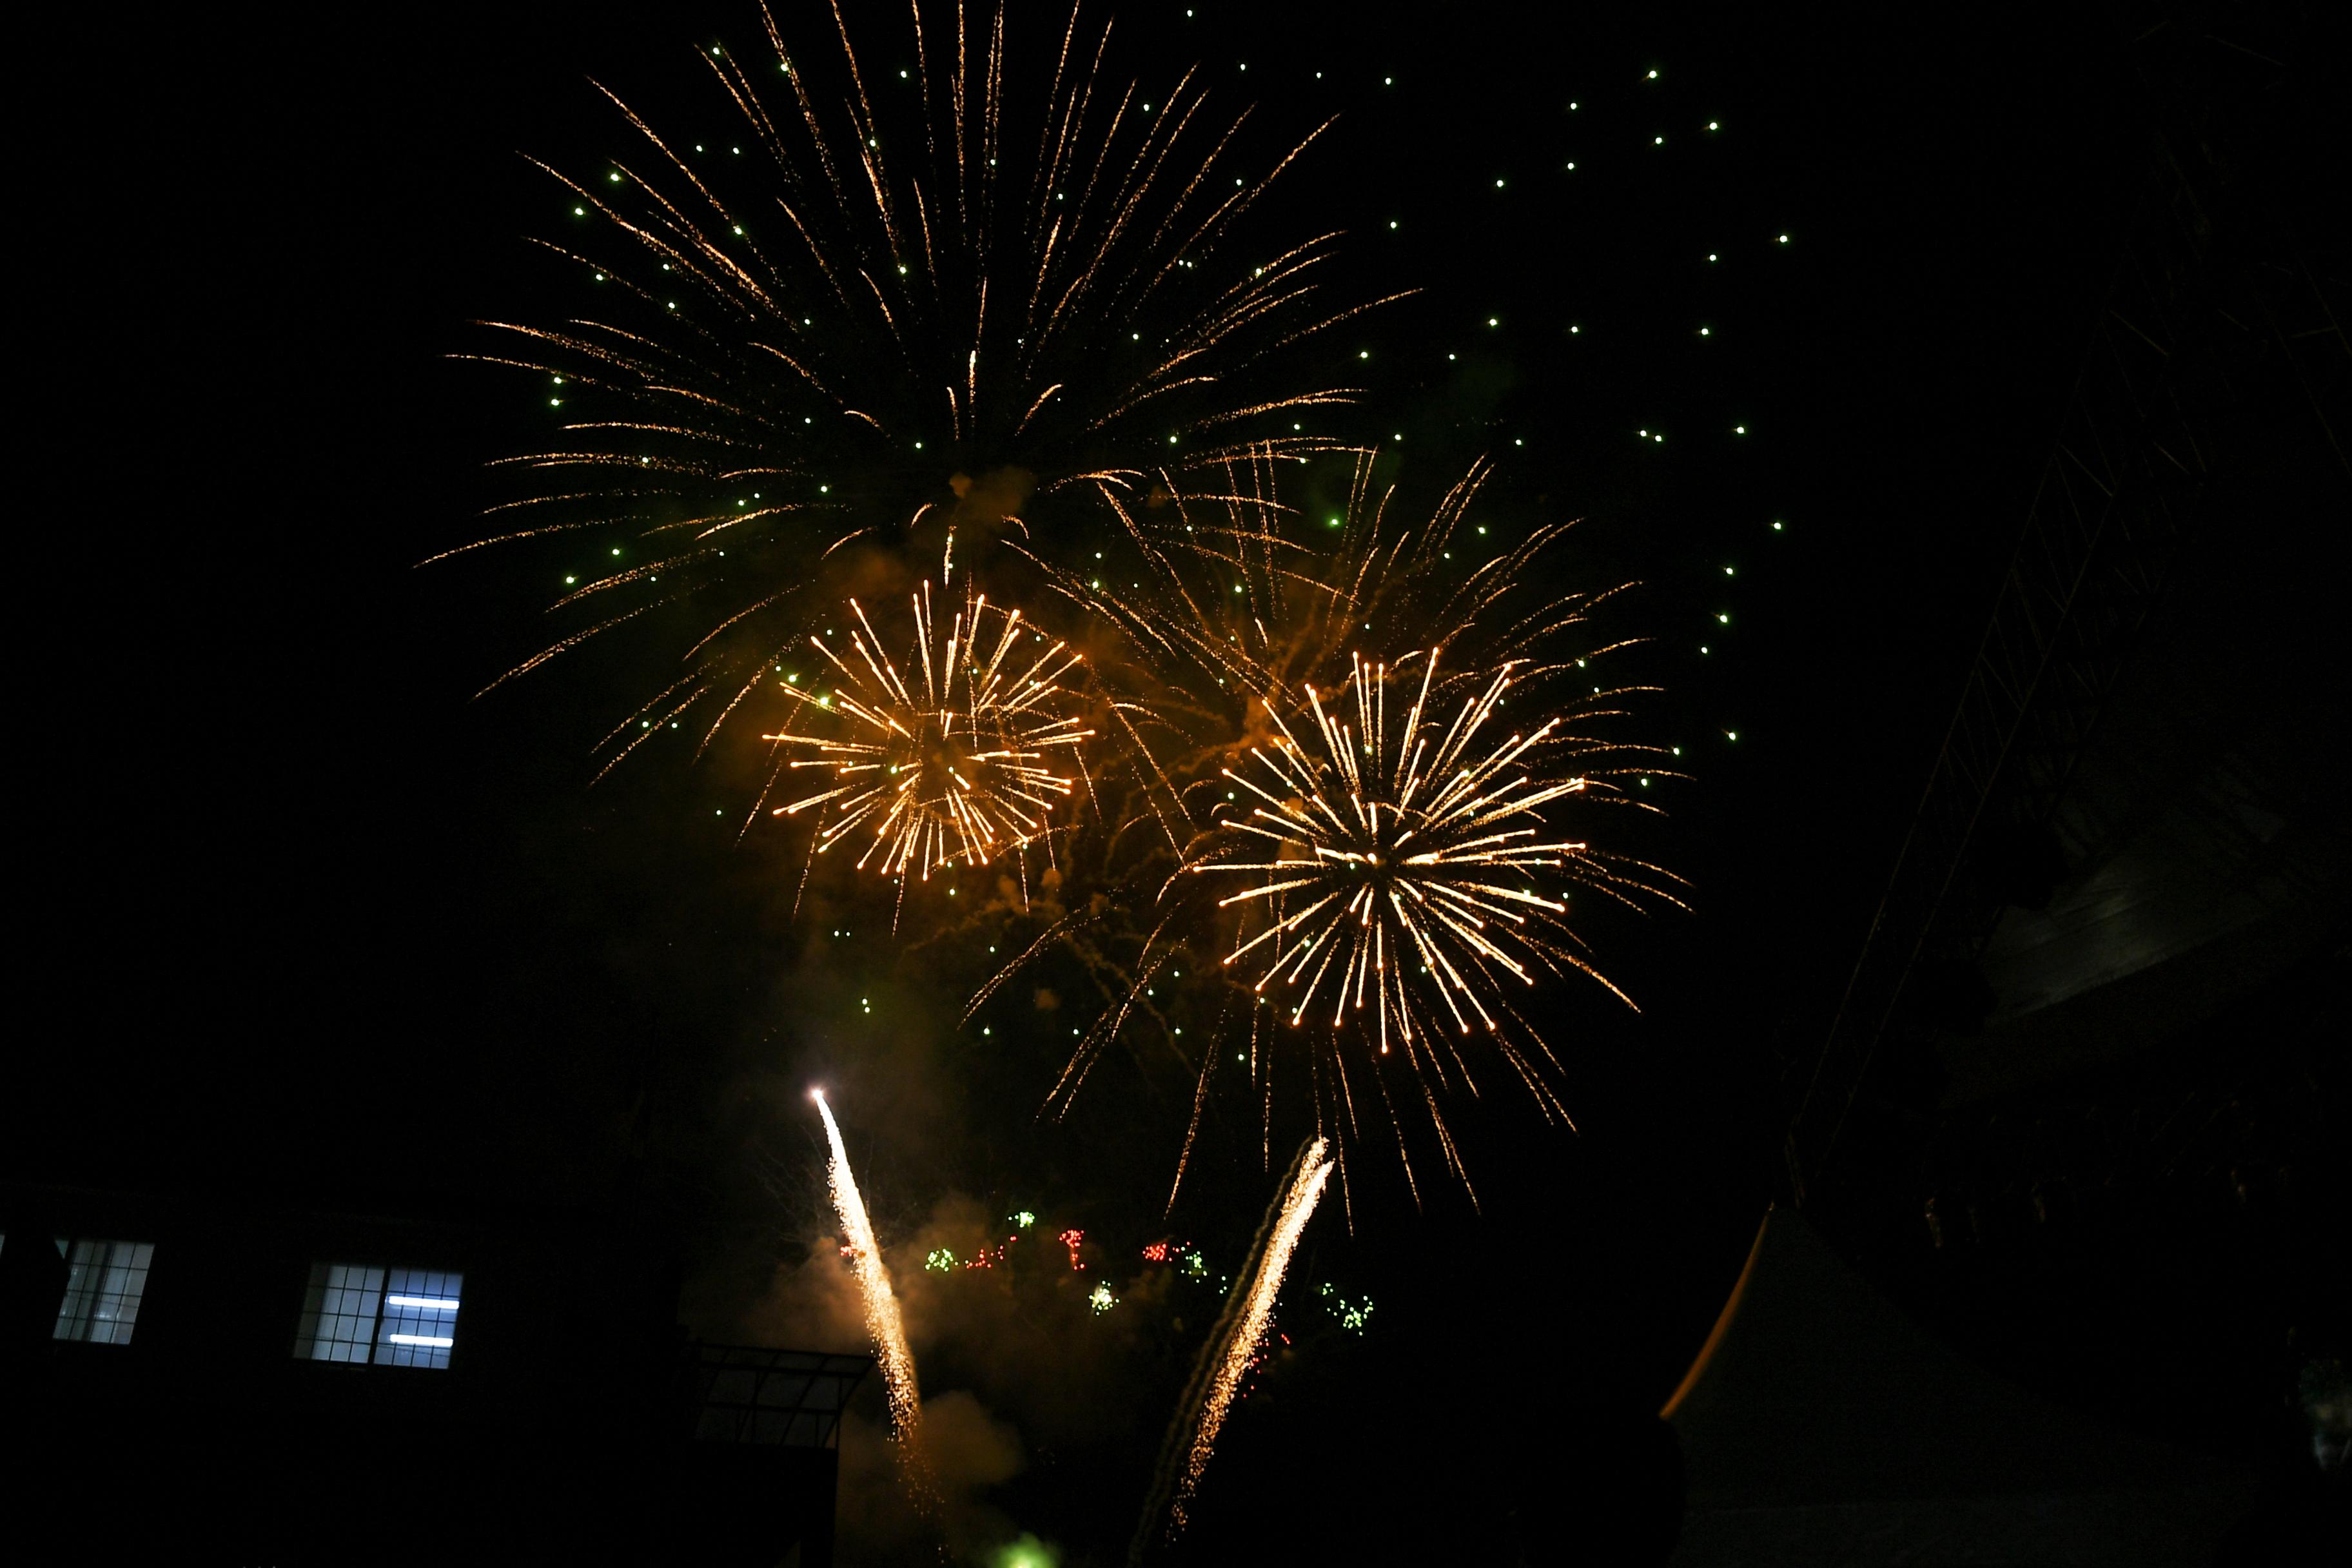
x,y
391,1317
104,1280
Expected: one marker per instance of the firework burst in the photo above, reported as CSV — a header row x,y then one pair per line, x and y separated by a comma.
x,y
1404,877
1369,864
1382,851
960,758
883,306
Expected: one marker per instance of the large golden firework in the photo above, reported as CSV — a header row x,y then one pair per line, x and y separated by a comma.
x,y
960,758
1407,878
1367,865
888,304
1413,868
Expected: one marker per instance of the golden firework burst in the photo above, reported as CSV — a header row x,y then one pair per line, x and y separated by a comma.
x,y
1401,875
871,310
962,758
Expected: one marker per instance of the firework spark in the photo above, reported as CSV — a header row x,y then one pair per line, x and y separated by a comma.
x,y
881,306
959,762
1232,1343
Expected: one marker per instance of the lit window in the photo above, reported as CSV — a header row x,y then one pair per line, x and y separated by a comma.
x,y
393,1317
104,1280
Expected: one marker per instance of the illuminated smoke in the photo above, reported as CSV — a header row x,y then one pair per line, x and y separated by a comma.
x,y
1225,1358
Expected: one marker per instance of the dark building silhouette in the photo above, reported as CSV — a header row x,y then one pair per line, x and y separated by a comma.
x,y
2078,1111
243,1385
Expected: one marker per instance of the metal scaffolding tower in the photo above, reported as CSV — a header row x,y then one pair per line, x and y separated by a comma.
x,y
2220,317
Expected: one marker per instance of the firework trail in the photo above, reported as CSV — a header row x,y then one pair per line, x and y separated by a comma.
x,y
882,1323
1200,1416
881,306
954,762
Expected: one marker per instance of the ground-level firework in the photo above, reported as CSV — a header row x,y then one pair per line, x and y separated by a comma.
x,y
1217,1376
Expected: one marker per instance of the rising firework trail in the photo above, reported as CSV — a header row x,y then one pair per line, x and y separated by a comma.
x,y
960,758
1200,1416
882,1323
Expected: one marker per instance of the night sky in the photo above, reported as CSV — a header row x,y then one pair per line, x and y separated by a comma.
x,y
306,923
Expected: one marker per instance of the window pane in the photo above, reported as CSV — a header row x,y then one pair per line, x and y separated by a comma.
x,y
420,1318
396,1317
339,1313
104,1281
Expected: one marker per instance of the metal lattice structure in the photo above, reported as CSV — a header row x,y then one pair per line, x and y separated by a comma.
x,y
750,1393
2217,314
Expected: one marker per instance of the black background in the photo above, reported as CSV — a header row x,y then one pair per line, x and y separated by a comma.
x,y
301,919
